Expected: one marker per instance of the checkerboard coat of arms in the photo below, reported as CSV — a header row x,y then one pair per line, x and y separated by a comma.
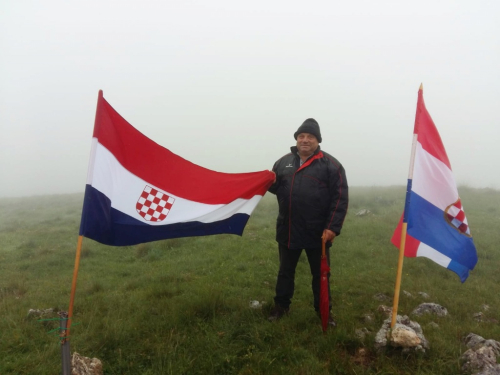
x,y
455,216
154,205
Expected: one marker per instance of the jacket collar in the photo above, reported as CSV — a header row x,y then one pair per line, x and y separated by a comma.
x,y
316,155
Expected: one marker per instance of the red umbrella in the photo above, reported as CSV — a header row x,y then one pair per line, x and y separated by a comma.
x,y
324,300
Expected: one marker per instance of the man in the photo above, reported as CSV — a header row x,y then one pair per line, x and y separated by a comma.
x,y
312,193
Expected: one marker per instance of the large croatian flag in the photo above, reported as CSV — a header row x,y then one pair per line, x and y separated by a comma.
x,y
138,191
436,224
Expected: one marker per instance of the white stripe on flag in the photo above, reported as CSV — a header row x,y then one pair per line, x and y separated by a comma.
x,y
428,252
433,180
90,171
124,190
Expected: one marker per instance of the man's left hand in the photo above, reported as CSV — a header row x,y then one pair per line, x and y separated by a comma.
x,y
328,235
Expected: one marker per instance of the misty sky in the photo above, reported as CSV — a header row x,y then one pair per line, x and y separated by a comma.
x,y
225,84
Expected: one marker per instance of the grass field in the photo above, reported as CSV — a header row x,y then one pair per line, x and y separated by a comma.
x,y
182,306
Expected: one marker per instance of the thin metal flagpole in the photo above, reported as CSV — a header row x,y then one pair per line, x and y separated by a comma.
x,y
65,349
405,223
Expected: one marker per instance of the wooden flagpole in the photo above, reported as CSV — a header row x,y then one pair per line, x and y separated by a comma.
x,y
399,275
67,318
65,328
404,226
80,238
73,284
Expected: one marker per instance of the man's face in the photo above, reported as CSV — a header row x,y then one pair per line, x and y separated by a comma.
x,y
306,144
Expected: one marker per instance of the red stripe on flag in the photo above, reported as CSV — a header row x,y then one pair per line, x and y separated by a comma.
x,y
145,158
428,135
411,244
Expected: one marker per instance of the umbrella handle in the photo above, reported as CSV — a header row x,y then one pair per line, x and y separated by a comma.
x,y
323,251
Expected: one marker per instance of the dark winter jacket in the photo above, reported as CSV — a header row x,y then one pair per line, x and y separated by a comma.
x,y
311,198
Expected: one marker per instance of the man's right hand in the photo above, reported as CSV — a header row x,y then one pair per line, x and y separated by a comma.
x,y
328,235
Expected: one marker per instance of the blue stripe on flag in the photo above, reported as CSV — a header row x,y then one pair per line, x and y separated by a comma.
x,y
461,271
104,224
427,224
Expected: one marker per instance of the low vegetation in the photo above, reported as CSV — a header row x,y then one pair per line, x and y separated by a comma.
x,y
182,306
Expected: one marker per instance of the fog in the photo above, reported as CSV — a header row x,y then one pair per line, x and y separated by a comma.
x,y
225,84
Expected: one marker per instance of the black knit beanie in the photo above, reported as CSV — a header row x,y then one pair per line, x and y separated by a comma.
x,y
310,126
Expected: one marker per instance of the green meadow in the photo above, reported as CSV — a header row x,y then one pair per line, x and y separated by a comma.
x,y
182,306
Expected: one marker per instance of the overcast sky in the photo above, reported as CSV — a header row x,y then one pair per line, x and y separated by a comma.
x,y
225,84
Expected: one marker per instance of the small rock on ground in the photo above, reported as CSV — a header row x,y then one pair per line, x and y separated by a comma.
x,y
430,308
85,366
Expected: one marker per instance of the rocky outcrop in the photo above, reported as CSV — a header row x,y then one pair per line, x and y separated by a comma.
x,y
406,334
85,366
363,212
381,297
424,295
473,341
481,357
407,294
430,308
40,313
403,336
385,310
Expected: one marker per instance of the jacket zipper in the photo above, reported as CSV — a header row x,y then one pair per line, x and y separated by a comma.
x,y
319,155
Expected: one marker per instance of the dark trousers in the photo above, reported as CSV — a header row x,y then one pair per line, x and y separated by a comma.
x,y
285,285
